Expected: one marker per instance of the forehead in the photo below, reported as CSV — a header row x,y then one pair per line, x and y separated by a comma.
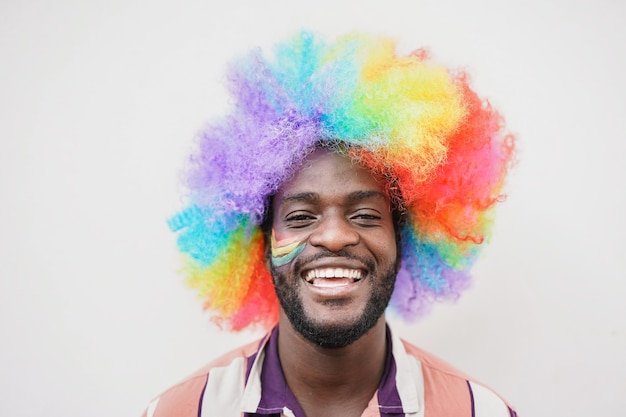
x,y
332,175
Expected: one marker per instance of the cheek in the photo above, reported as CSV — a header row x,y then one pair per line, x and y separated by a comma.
x,y
385,247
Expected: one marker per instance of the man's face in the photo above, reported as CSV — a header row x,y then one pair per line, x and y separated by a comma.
x,y
334,250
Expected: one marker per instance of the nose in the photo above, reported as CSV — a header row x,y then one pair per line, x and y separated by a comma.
x,y
334,232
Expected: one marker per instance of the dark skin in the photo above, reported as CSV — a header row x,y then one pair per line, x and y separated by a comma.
x,y
341,211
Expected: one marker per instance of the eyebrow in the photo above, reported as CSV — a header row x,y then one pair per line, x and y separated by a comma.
x,y
364,195
353,197
296,197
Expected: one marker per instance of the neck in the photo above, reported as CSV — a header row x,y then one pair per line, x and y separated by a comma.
x,y
332,378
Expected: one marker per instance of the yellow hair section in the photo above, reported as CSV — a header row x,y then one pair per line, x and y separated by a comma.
x,y
224,283
417,106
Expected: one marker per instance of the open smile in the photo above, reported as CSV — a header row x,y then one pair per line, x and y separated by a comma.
x,y
333,277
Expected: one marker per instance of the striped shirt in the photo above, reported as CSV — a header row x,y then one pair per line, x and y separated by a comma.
x,y
249,382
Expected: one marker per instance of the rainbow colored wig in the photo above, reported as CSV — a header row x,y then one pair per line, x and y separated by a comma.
x,y
403,116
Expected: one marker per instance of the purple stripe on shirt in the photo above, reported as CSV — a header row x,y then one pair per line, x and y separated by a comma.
x,y
469,387
276,393
201,398
388,397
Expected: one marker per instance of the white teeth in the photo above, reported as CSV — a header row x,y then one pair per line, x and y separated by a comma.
x,y
330,283
353,274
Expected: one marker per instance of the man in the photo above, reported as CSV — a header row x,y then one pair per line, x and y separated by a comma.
x,y
346,181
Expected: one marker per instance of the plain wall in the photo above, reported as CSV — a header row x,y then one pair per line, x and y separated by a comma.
x,y
100,100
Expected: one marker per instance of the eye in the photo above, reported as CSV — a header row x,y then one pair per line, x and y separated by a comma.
x,y
298,220
366,218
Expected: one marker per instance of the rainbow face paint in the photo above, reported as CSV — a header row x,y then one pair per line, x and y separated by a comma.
x,y
285,250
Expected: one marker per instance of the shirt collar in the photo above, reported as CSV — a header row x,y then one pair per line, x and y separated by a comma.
x,y
266,390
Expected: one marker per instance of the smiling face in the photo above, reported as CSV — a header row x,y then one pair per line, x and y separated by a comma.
x,y
338,220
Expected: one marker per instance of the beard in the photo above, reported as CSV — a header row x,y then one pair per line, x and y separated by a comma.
x,y
329,335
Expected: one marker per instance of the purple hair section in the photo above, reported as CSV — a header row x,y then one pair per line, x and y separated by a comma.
x,y
425,277
280,110
245,159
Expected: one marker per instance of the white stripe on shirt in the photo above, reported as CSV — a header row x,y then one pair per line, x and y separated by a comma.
x,y
223,391
487,403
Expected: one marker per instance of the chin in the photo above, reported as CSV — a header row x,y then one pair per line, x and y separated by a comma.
x,y
331,333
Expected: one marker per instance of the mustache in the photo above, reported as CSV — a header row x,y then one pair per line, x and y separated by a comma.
x,y
300,262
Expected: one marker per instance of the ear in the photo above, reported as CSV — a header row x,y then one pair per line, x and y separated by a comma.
x,y
267,250
266,229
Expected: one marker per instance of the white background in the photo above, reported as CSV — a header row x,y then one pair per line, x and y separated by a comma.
x,y
99,101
